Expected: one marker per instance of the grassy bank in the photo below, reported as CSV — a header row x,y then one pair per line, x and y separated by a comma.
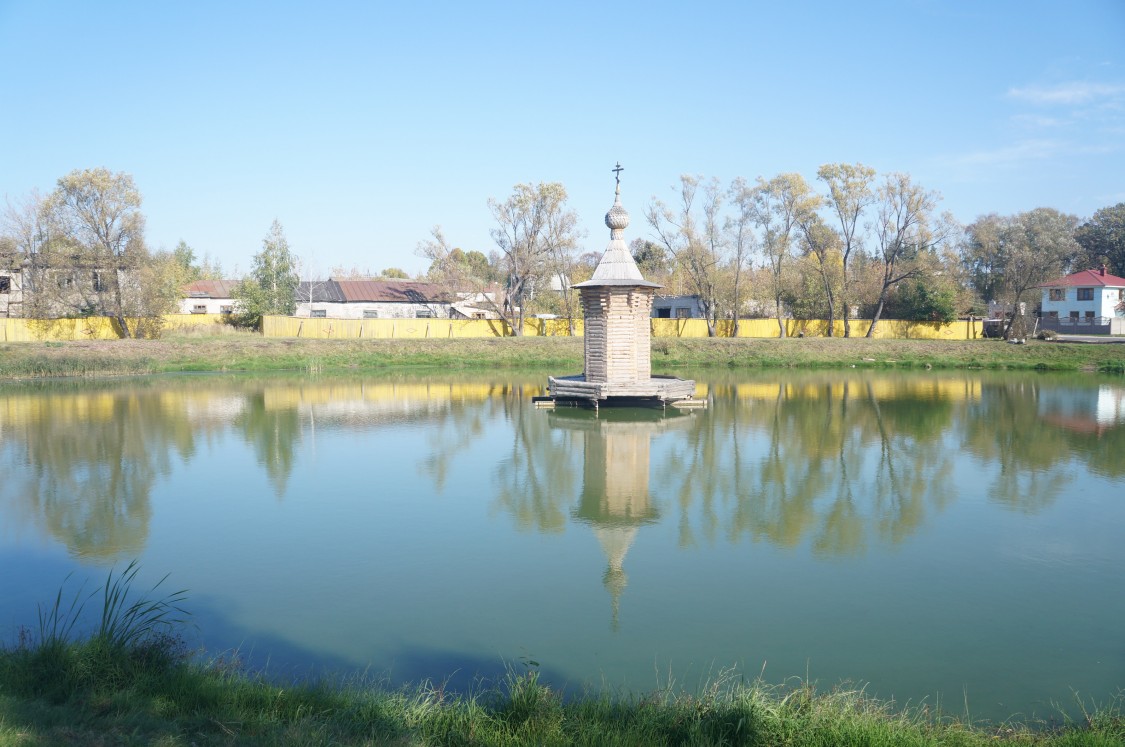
x,y
93,693
255,353
131,682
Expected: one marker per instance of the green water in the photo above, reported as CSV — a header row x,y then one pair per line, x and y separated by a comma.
x,y
944,538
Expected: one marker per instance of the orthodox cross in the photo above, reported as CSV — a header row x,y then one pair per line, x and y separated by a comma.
x,y
617,172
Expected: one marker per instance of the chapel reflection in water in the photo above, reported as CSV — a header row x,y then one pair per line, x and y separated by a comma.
x,y
615,499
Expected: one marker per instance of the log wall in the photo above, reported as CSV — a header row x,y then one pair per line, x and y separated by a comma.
x,y
618,333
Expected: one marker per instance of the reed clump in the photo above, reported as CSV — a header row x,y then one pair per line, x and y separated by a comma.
x,y
130,682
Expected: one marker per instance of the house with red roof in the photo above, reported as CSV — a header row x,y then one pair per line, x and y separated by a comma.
x,y
1086,302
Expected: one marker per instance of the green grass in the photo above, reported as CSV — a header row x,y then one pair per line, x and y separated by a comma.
x,y
131,683
562,354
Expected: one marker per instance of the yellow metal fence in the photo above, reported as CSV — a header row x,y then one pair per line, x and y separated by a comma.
x,y
103,328
283,326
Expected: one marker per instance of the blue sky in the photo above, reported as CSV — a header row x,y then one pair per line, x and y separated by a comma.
x,y
361,125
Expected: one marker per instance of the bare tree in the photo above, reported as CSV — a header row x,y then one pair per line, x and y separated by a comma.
x,y
25,233
90,257
698,251
777,206
849,194
742,243
905,234
443,269
535,231
820,241
355,272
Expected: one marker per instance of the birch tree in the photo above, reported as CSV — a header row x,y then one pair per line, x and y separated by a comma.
x,y
849,194
777,207
906,234
740,237
692,235
822,244
271,286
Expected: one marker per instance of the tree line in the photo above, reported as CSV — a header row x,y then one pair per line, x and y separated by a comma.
x,y
863,245
81,251
855,244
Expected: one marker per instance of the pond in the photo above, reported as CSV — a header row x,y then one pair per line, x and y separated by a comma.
x,y
950,539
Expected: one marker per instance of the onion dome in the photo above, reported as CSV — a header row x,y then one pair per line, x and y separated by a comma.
x,y
617,266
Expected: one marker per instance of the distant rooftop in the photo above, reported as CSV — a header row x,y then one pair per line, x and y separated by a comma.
x,y
1087,278
393,291
210,289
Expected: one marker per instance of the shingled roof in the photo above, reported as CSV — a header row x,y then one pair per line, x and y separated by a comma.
x,y
617,266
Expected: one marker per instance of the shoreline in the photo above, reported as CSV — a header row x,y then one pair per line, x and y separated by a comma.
x,y
250,353
154,692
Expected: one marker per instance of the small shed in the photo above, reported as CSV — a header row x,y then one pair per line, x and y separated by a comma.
x,y
617,304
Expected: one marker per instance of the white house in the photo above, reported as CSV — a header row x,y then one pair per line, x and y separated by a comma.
x,y
1087,301
677,307
476,304
208,297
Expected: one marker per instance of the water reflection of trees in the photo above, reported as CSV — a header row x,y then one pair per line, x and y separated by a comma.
x,y
83,464
1004,428
840,461
537,474
1036,428
836,460
273,433
81,459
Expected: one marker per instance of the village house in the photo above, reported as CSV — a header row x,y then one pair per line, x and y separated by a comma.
x,y
1086,302
677,307
483,304
209,297
11,291
49,292
372,299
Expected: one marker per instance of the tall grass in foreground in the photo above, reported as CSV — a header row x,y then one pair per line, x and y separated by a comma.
x,y
134,633
129,683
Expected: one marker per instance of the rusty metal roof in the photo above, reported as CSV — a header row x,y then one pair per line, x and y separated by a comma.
x,y
210,289
393,291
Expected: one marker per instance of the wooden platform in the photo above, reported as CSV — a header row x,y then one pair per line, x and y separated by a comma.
x,y
667,390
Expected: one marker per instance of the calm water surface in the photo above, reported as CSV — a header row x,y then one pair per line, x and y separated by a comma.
x,y
944,537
